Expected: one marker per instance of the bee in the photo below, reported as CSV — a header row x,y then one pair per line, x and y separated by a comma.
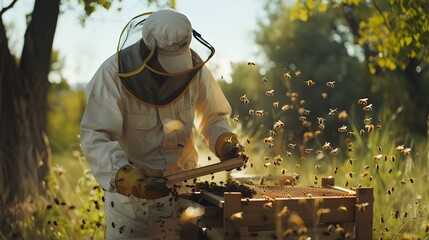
x,y
330,84
285,107
310,83
251,63
276,104
406,151
400,148
259,113
268,205
317,167
335,151
367,121
342,115
283,212
342,208
283,171
363,101
251,164
321,120
269,140
266,165
291,145
333,111
377,167
351,134
302,118
361,206
318,152
342,129
269,93
327,146
322,126
237,216
366,167
298,73
336,170
350,175
350,161
379,124
330,228
339,230
306,112
361,132
368,107
378,157
248,140
251,112
244,99
264,80
236,119
369,127
308,150
324,95
379,148
279,124
287,233
289,154
287,75
411,180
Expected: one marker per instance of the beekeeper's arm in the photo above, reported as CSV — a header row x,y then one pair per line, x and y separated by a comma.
x,y
101,128
212,118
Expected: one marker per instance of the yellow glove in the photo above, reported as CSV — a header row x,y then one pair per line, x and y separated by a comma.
x,y
228,146
141,182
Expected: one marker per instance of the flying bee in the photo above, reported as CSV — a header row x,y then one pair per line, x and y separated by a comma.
x,y
268,205
333,111
367,121
324,95
285,107
259,113
308,150
317,133
276,104
330,84
361,206
335,151
306,112
336,169
339,230
369,127
310,83
269,93
289,154
406,151
350,175
244,99
342,208
298,73
321,120
269,140
287,75
363,101
236,119
237,216
378,157
342,129
251,63
366,167
322,126
291,145
351,134
279,124
399,148
251,112
283,212
264,79
368,107
361,132
318,152
327,146
266,165
302,118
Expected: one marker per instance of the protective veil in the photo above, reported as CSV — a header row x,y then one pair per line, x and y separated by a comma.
x,y
143,105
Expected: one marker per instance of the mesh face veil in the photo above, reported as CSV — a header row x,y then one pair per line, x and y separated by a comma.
x,y
132,35
140,69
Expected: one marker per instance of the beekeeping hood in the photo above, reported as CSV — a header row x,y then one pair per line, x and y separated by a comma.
x,y
154,57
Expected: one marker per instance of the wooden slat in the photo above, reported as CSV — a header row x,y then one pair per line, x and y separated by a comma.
x,y
206,170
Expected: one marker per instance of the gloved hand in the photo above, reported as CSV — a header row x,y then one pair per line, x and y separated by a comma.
x,y
141,182
228,146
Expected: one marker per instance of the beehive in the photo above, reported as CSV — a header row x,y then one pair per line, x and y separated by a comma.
x,y
347,213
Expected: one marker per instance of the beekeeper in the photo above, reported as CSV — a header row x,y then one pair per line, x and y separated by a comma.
x,y
138,124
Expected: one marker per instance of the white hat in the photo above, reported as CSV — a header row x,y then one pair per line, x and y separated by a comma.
x,y
170,32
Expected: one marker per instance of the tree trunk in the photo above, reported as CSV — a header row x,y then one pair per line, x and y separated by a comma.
x,y
24,149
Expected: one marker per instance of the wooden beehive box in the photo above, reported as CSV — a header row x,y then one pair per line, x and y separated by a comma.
x,y
326,212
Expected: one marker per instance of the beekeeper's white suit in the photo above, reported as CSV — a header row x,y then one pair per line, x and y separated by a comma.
x,y
127,125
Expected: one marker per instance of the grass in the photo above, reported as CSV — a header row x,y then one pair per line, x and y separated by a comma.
x,y
73,207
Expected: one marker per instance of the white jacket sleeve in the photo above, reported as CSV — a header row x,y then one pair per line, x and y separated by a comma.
x,y
212,110
101,125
